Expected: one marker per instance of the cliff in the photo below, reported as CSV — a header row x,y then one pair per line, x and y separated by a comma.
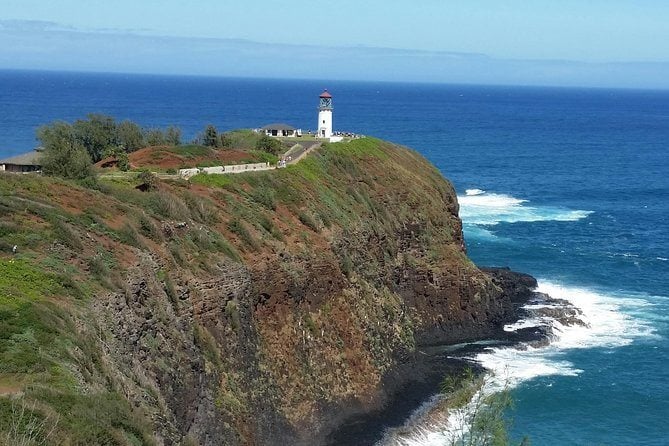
x,y
259,308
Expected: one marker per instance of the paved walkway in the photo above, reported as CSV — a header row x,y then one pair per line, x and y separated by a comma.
x,y
299,151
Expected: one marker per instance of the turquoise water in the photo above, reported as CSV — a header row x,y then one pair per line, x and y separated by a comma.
x,y
569,185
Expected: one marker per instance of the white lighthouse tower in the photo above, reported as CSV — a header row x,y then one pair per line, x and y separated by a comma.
x,y
325,115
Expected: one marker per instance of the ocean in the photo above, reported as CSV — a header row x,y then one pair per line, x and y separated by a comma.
x,y
569,185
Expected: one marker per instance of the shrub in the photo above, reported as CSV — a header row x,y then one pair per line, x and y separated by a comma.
x,y
201,209
148,229
237,227
63,155
264,196
147,181
268,144
232,311
119,153
308,221
169,205
66,236
200,237
480,417
224,141
210,136
98,267
177,254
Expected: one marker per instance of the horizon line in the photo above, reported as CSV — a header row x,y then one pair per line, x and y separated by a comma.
x,y
349,80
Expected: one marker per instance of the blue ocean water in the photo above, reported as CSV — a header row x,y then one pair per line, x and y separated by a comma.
x,y
570,185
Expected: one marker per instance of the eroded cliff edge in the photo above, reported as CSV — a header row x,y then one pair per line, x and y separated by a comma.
x,y
261,308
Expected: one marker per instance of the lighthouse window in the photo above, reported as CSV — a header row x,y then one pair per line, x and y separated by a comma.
x,y
323,121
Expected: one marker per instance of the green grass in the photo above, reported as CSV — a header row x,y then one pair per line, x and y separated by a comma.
x,y
191,151
359,148
12,183
310,168
29,324
265,196
20,282
36,338
102,418
168,205
264,157
243,139
213,180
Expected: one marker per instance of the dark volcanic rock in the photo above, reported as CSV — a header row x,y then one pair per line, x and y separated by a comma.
x,y
517,287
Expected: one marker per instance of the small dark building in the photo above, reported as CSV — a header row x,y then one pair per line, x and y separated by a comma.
x,y
27,162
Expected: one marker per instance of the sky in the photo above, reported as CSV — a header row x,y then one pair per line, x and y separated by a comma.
x,y
538,42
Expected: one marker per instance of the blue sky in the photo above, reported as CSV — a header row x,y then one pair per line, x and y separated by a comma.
x,y
566,42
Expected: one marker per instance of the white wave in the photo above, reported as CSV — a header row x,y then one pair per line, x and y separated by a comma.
x,y
478,207
662,259
607,316
611,321
609,324
526,323
471,192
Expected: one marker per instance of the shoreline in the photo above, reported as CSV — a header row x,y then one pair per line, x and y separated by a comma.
x,y
416,382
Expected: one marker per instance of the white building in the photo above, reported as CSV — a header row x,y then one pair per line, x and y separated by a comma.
x,y
325,115
284,130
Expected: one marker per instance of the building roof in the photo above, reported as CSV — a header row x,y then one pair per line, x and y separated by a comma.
x,y
278,126
25,159
325,94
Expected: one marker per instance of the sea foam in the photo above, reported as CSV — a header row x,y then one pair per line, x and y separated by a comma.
x,y
473,192
610,322
478,207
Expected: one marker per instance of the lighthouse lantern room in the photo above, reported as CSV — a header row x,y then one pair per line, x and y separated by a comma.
x,y
325,115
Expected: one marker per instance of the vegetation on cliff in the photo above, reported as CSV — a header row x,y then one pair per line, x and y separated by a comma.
x,y
257,308
71,149
478,414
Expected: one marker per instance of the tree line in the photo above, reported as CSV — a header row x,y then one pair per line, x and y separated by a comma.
x,y
70,149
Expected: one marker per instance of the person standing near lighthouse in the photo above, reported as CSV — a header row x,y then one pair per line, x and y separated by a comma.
x,y
325,115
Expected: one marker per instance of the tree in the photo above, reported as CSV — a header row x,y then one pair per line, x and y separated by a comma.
x,y
96,134
121,156
210,137
129,135
173,136
63,155
268,144
154,137
224,141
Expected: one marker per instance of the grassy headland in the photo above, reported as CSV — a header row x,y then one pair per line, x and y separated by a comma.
x,y
245,307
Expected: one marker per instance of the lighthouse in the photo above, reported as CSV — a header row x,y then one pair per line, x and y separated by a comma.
x,y
325,115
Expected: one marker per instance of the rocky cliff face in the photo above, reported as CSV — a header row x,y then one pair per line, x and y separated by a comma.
x,y
266,308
